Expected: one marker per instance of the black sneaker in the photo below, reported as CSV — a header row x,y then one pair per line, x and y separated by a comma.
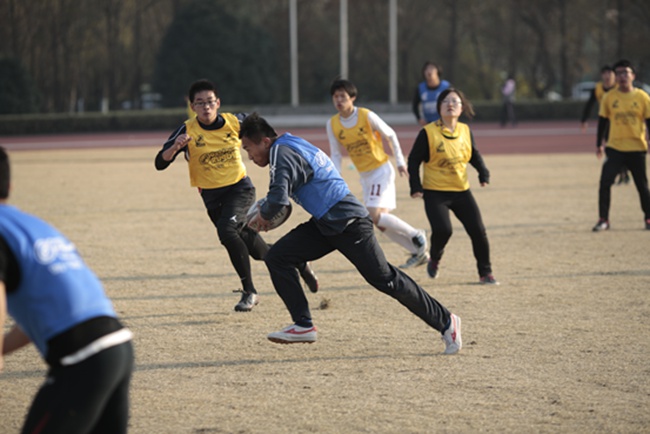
x,y
248,301
602,225
432,268
647,224
310,278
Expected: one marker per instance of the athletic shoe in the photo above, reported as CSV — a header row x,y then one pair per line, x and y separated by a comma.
x,y
647,224
488,280
602,225
451,337
294,334
310,278
420,241
432,268
416,260
247,302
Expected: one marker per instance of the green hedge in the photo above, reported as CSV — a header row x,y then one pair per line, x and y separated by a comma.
x,y
168,119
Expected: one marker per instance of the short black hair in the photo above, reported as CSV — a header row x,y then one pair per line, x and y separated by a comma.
x,y
5,173
346,85
606,68
200,86
623,63
435,65
255,127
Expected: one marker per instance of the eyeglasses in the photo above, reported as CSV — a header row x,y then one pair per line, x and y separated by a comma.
x,y
452,102
209,103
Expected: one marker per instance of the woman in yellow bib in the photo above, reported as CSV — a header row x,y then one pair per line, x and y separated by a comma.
x,y
360,132
444,148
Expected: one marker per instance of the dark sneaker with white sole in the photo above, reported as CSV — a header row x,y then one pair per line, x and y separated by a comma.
x,y
432,268
415,260
488,280
602,225
247,302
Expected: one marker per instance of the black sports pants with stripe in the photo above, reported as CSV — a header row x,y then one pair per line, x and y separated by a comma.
x,y
359,245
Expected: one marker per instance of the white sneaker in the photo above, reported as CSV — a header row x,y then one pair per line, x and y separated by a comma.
x,y
451,336
294,334
416,260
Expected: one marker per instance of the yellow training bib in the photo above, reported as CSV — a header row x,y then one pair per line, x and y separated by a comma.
x,y
215,155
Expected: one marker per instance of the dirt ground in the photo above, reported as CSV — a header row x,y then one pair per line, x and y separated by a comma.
x,y
562,345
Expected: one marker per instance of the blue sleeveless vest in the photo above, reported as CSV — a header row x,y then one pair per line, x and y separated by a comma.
x,y
326,188
429,99
57,290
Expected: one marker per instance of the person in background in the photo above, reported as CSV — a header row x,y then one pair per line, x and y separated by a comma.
x,y
59,305
360,132
444,148
301,171
623,124
426,94
607,82
508,91
210,141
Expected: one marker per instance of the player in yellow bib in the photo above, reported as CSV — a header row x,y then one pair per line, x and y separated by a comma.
x,y
210,141
444,148
626,112
360,131
606,83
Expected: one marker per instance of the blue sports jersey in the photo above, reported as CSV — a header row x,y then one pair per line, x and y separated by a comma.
x,y
429,100
326,188
57,290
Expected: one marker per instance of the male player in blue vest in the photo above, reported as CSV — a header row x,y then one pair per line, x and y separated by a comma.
x,y
59,305
304,173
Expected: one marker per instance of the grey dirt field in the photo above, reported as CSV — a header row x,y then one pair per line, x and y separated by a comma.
x,y
562,345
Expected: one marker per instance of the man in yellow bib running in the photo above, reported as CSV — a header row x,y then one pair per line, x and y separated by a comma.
x,y
210,141
360,132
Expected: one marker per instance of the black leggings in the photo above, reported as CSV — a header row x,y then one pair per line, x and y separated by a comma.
x,y
615,161
90,397
437,205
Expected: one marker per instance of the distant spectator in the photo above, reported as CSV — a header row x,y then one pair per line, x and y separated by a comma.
x,y
508,91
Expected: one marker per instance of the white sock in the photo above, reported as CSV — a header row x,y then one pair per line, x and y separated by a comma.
x,y
398,231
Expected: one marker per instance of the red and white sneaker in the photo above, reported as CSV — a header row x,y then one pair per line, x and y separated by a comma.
x,y
451,336
294,334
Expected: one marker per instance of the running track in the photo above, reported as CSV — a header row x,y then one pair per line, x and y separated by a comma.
x,y
526,138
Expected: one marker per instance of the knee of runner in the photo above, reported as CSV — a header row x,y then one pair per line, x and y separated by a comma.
x,y
227,230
